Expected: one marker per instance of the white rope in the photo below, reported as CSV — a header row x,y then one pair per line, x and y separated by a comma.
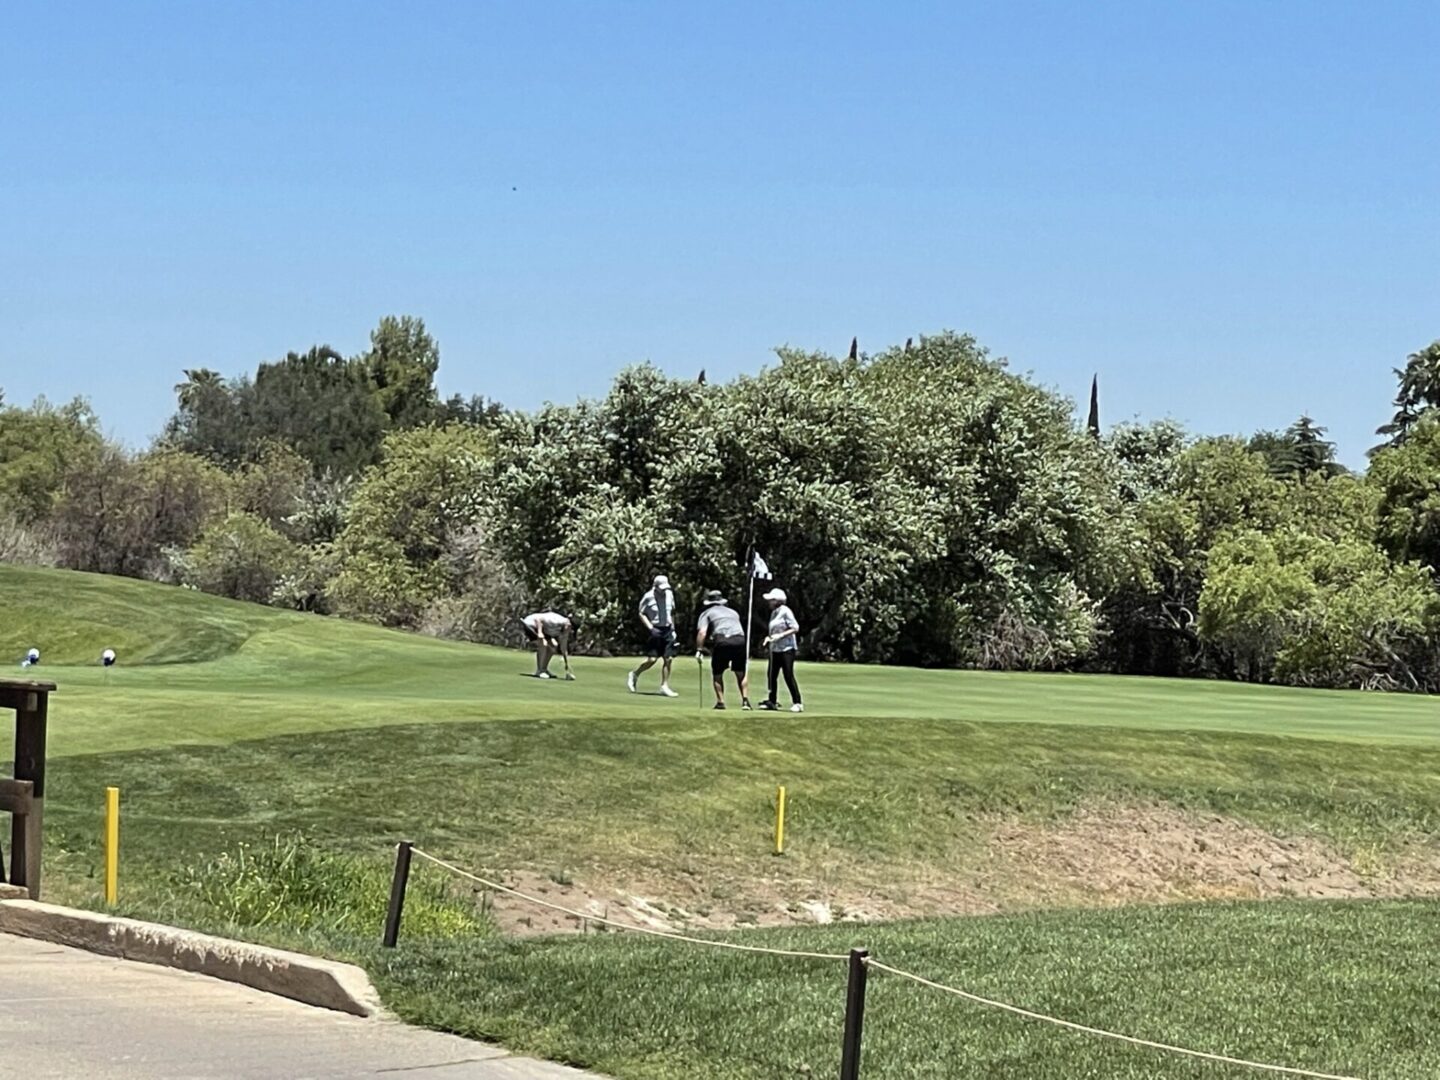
x,y
1132,1040
626,926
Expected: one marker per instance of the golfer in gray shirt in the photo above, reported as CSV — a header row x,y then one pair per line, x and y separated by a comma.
x,y
721,628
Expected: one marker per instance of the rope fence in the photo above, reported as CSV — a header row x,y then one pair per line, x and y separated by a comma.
x,y
860,964
1100,1032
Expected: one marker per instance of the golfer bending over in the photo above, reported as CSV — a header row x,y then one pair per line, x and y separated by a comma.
x,y
657,613
720,625
784,629
550,631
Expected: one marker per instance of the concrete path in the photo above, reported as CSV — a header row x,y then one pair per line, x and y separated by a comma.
x,y
67,1014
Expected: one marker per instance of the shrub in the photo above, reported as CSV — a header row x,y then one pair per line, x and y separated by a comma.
x,y
240,557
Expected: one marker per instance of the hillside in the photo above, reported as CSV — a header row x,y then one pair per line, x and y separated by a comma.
x,y
268,761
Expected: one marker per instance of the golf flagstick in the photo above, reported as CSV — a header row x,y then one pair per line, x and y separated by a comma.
x,y
755,569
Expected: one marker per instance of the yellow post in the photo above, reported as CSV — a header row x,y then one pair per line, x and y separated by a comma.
x,y
780,821
112,843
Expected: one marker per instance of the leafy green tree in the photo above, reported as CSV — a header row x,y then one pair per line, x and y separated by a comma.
x,y
1252,600
1407,479
317,403
241,557
1418,393
212,417
1320,612
38,446
119,512
322,406
922,505
1314,454
476,410
272,486
1300,450
403,520
401,366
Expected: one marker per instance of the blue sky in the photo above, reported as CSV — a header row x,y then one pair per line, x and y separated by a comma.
x,y
1231,211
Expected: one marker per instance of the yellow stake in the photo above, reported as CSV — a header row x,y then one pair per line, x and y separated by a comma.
x,y
112,843
780,821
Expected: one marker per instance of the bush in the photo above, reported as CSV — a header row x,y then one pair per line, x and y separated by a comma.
x,y
26,545
240,557
490,601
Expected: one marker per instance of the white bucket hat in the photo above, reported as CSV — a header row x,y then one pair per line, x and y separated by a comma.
x,y
775,594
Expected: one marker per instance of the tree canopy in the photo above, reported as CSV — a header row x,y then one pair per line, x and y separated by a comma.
x,y
922,505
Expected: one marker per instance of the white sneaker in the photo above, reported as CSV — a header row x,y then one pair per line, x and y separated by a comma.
x,y
797,708
668,692
630,681
544,675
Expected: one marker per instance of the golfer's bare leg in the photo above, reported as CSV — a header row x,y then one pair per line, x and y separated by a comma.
x,y
719,683
665,671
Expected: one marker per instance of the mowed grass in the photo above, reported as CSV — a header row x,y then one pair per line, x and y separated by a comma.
x,y
227,724
197,669
1341,988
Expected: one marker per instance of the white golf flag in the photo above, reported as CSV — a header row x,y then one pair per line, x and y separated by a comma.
x,y
758,568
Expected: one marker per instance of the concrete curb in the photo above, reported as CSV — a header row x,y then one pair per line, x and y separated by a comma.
x,y
327,984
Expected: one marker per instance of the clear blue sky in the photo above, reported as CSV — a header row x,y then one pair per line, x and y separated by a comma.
x,y
1231,211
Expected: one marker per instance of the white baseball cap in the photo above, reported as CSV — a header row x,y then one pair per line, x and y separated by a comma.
x,y
775,594
661,581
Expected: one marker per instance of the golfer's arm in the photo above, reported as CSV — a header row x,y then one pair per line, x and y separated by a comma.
x,y
700,637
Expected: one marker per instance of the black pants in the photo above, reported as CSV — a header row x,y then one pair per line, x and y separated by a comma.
x,y
783,662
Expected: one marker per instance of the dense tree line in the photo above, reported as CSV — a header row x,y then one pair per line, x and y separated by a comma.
x,y
924,505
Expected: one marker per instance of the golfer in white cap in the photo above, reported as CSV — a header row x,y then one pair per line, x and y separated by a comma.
x,y
781,640
657,613
550,631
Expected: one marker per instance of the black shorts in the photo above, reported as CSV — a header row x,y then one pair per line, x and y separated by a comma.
x,y
727,654
661,643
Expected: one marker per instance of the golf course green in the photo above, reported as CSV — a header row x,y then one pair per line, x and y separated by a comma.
x,y
268,761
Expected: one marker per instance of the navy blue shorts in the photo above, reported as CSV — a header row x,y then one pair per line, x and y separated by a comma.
x,y
661,643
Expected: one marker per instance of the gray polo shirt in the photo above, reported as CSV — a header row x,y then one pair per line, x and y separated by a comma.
x,y
658,605
721,623
782,619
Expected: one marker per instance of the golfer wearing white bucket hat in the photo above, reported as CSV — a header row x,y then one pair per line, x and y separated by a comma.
x,y
657,613
784,630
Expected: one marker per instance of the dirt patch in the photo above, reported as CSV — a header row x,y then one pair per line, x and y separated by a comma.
x,y
1097,857
1122,855
676,905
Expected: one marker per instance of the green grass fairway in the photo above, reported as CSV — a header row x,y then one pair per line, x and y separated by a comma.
x,y
228,724
196,669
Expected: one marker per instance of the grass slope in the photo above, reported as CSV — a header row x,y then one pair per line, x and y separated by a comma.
x,y
227,723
